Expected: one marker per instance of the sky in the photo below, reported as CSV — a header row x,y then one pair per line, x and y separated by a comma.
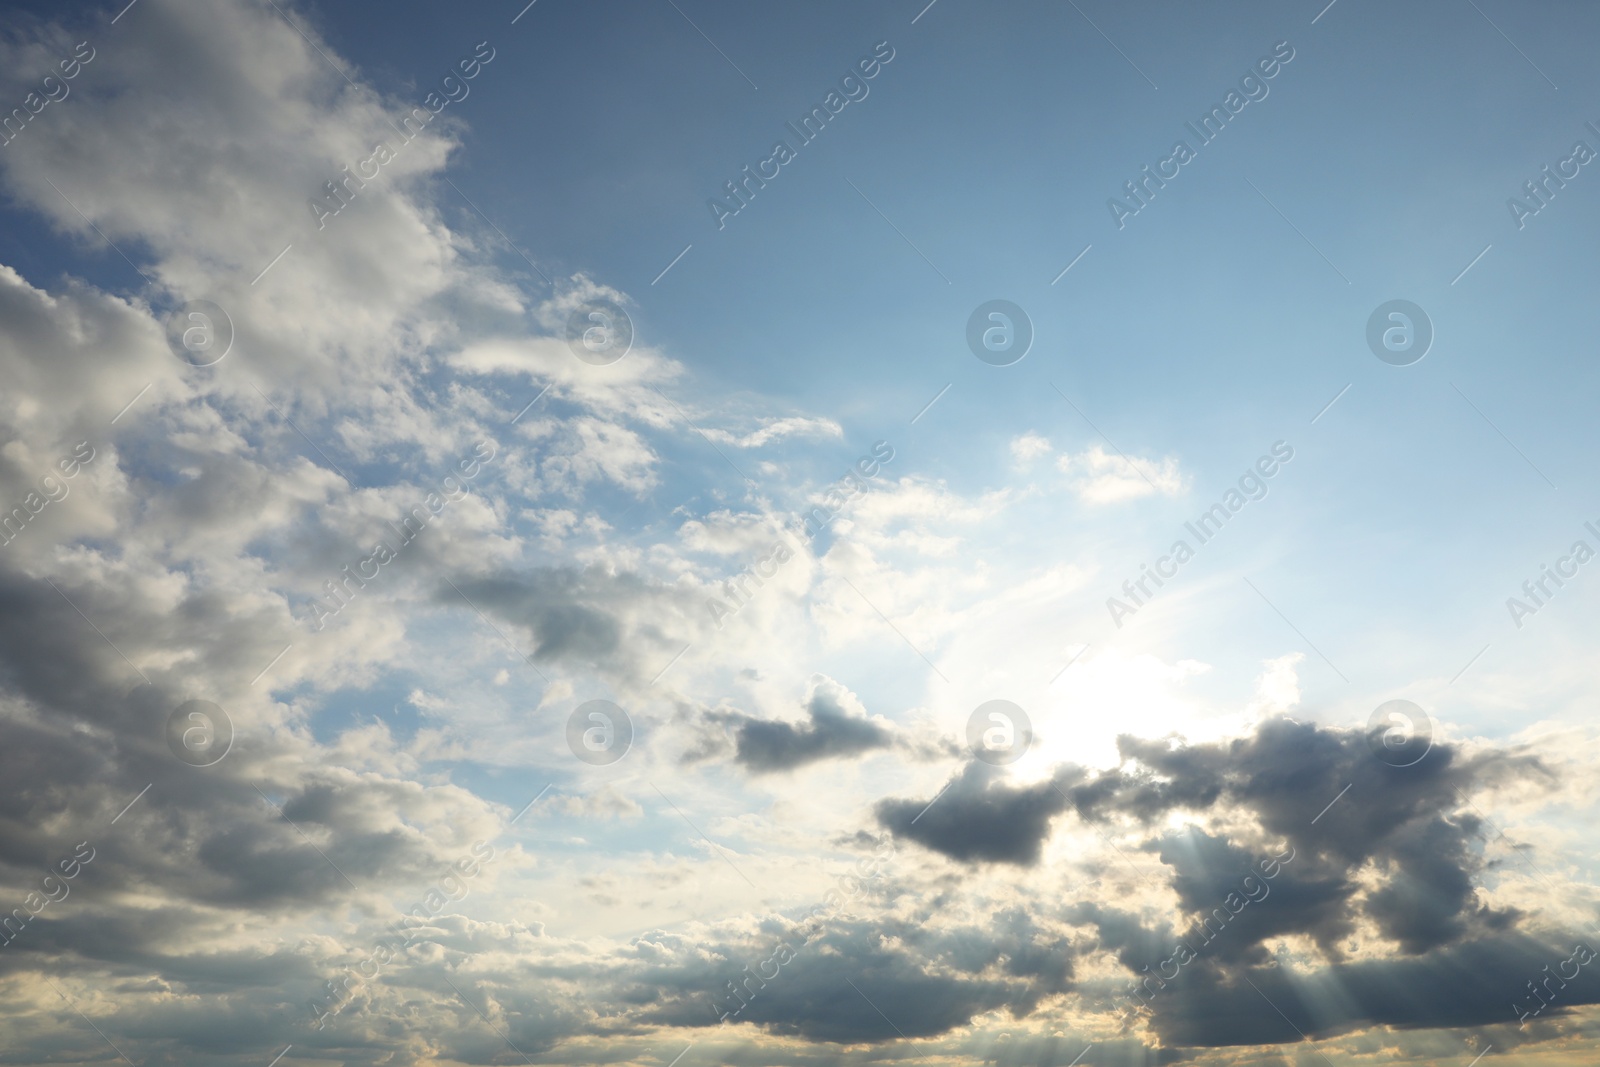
x,y
674,533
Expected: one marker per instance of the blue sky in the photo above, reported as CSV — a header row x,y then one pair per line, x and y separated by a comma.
x,y
778,742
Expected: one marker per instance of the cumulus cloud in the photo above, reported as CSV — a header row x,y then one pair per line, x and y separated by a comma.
x,y
837,727
909,982
978,817
1467,985
1384,887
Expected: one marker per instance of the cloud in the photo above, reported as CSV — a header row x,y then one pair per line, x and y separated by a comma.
x,y
854,981
838,727
604,803
1387,868
1403,826
1098,477
1278,687
1029,446
216,161
978,817
623,624
1470,985
777,429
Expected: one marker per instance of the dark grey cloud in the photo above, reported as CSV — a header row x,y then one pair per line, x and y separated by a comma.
x,y
1412,824
1405,821
857,980
1299,898
1397,854
833,731
623,624
836,726
978,817
1473,984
